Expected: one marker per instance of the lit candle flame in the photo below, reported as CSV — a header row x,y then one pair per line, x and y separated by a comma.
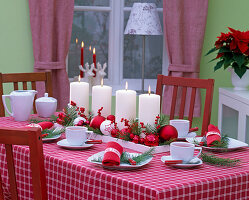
x,y
79,78
94,50
102,82
126,85
149,90
76,40
82,44
90,48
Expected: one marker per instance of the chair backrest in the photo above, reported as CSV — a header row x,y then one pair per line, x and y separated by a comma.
x,y
32,138
193,84
24,78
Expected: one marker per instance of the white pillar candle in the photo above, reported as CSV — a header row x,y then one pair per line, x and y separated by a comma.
x,y
125,105
79,93
149,108
102,97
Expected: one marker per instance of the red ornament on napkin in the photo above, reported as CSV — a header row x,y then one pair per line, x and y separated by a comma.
x,y
213,134
112,154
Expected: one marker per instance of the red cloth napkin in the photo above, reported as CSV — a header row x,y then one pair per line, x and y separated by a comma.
x,y
112,154
43,125
213,134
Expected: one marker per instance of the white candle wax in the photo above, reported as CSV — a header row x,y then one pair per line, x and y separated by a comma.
x,y
125,106
149,108
102,97
79,93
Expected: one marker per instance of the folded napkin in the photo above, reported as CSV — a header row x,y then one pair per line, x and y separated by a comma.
x,y
213,134
112,154
42,125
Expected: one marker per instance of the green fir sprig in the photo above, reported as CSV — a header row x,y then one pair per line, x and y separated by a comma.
x,y
50,133
97,131
167,142
37,120
135,126
214,160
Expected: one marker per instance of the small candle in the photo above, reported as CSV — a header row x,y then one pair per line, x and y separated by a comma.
x,y
102,97
94,61
125,105
149,107
79,93
82,59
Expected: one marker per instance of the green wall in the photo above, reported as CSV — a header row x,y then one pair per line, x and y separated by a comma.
x,y
16,44
221,14
16,54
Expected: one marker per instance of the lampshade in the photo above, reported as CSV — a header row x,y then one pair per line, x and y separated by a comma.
x,y
143,20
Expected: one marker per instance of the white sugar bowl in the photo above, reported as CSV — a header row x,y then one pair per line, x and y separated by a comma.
x,y
45,106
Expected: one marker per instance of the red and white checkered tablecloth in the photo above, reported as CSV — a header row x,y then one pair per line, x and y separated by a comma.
x,y
70,176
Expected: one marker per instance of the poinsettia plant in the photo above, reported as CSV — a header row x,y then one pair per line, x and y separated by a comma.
x,y
232,50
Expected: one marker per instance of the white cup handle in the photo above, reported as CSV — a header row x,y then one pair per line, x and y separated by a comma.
x,y
200,149
89,134
4,104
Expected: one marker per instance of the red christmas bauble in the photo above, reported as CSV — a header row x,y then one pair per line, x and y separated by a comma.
x,y
96,121
111,118
168,132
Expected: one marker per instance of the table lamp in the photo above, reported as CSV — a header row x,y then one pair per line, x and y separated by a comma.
x,y
143,20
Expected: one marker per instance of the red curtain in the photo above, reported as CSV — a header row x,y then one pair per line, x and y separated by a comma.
x,y
184,29
51,27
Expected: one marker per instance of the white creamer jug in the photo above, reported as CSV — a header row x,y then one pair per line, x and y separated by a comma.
x,y
21,102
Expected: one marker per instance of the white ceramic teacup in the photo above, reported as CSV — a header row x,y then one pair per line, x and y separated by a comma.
x,y
181,125
76,135
183,151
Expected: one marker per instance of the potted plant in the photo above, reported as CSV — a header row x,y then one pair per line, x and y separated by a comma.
x,y
233,51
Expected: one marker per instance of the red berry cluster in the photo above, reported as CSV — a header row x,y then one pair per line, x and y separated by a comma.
x,y
81,112
99,111
62,117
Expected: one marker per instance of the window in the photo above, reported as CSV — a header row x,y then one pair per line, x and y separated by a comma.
x,y
101,24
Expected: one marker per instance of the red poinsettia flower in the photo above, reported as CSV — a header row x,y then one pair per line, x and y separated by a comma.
x,y
241,39
151,140
136,139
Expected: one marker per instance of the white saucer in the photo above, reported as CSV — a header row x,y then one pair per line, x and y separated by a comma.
x,y
190,135
64,143
232,144
51,138
183,165
122,166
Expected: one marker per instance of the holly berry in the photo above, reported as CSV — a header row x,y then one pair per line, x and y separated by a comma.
x,y
111,118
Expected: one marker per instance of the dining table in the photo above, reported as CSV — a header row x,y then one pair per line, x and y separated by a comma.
x,y
70,176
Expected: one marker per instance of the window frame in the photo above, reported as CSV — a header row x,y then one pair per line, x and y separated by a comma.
x,y
116,11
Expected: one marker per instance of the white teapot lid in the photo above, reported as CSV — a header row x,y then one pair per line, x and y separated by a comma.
x,y
46,98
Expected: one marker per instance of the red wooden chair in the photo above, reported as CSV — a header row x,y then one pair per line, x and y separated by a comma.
x,y
32,138
24,78
184,83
